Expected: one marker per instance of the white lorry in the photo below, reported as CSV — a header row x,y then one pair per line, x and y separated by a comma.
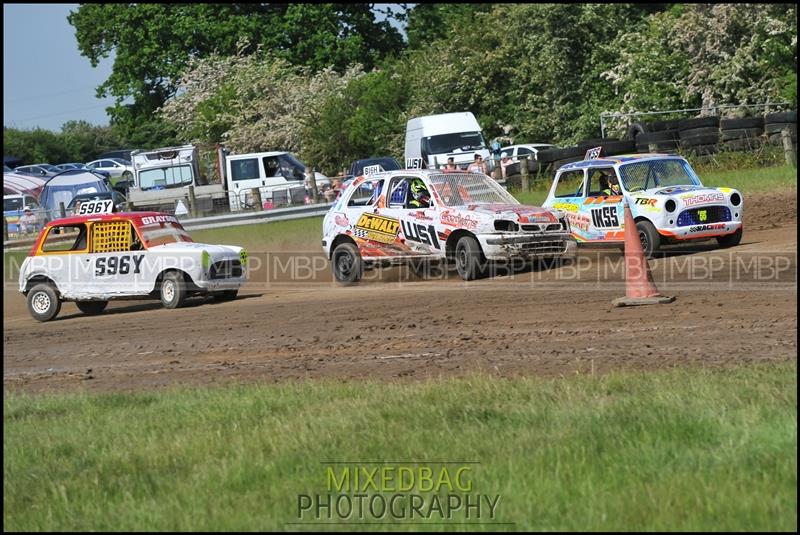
x,y
162,178
435,138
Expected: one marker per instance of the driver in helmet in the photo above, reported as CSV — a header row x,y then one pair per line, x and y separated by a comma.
x,y
420,197
613,186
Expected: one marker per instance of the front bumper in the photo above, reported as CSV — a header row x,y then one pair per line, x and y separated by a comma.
x,y
220,284
520,245
701,231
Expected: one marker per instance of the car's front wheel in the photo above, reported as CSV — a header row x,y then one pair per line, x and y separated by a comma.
x,y
173,290
470,262
730,240
43,302
347,264
91,307
649,237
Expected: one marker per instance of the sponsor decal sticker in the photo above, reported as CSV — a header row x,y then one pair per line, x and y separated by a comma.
x,y
566,206
702,228
421,233
377,228
703,198
605,217
579,221
645,201
149,220
457,220
341,220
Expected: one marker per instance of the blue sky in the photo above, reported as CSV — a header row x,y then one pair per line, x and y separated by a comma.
x,y
46,82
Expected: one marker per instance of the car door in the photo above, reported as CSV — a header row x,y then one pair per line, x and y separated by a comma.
x,y
567,194
63,257
116,259
245,174
605,212
417,234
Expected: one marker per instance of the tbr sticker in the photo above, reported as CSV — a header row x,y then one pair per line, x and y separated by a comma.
x,y
377,228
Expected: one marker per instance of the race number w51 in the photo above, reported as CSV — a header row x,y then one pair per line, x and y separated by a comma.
x,y
96,207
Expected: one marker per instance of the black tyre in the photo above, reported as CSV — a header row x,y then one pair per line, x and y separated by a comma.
x,y
730,240
704,149
552,155
612,148
781,117
742,133
173,290
635,130
346,263
743,123
708,139
660,146
650,238
741,144
470,262
91,307
652,137
697,132
43,302
776,128
559,163
699,122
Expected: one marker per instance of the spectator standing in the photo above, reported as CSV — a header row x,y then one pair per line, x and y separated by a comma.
x,y
28,222
505,161
451,166
478,165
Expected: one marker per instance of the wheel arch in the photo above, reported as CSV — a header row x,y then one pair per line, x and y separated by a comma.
x,y
40,279
452,241
341,238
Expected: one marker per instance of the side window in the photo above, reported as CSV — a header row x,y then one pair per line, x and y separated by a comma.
x,y
244,169
523,150
598,180
366,194
111,236
570,184
65,238
402,195
271,167
398,193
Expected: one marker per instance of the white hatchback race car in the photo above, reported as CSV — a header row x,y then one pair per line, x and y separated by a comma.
x,y
667,201
425,217
91,259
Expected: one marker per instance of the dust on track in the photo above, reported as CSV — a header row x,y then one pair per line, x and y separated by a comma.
x,y
733,306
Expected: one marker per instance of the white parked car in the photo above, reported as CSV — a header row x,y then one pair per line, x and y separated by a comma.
x,y
527,149
95,257
419,216
118,170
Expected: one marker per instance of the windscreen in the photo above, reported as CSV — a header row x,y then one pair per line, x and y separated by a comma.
x,y
657,173
163,232
462,141
461,189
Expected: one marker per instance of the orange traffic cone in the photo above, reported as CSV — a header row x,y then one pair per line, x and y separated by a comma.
x,y
639,286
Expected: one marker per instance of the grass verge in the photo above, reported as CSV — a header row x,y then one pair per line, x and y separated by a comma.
x,y
687,449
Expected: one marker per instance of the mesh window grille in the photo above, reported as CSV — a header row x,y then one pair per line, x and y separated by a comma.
x,y
111,236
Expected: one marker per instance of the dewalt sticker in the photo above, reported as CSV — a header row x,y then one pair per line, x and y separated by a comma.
x,y
377,228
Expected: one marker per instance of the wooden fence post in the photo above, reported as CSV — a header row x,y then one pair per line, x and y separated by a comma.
x,y
523,169
257,199
788,147
192,202
312,178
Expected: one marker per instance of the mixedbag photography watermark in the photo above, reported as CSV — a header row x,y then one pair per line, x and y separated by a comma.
x,y
397,492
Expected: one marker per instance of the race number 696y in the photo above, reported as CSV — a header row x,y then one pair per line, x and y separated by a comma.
x,y
112,265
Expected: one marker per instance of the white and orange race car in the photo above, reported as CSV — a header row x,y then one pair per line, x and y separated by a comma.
x,y
424,217
93,258
667,200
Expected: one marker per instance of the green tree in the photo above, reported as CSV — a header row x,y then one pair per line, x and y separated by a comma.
x,y
153,44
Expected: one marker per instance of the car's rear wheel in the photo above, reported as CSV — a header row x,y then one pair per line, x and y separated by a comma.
x,y
173,290
43,302
650,238
91,307
346,263
470,262
730,240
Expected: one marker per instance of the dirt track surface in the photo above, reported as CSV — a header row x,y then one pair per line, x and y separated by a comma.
x,y
733,306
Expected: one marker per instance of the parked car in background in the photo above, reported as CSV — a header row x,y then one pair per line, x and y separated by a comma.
x,y
75,165
39,169
120,171
124,154
386,163
14,207
525,149
65,186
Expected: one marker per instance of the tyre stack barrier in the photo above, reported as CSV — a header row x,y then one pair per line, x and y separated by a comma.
x,y
741,134
775,122
700,135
